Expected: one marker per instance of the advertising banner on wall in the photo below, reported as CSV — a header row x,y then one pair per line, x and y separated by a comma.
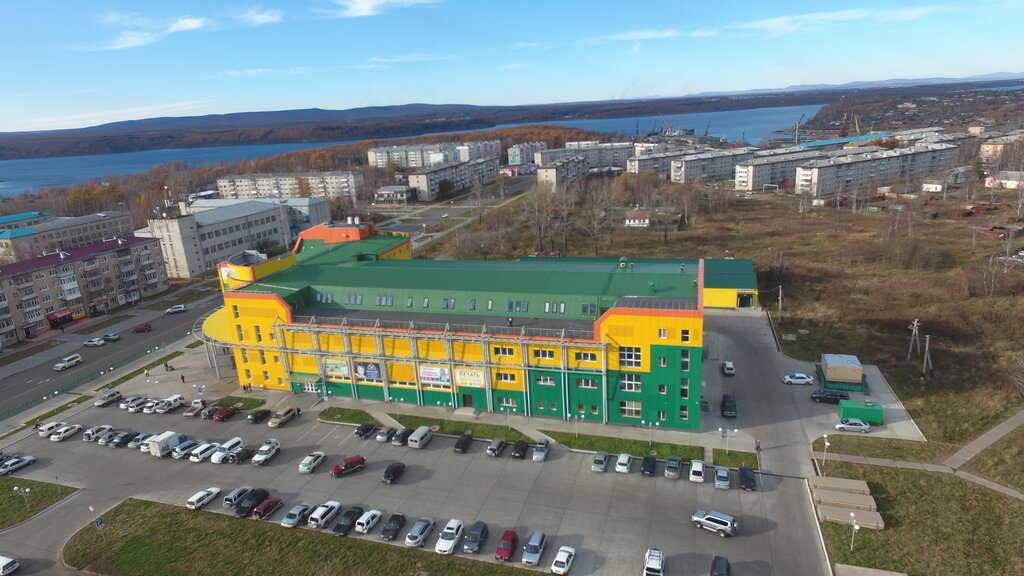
x,y
368,370
469,377
435,375
336,369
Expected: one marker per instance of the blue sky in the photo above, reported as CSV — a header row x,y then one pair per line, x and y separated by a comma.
x,y
74,63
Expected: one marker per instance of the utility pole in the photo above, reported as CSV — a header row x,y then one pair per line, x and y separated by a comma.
x,y
780,304
914,338
926,364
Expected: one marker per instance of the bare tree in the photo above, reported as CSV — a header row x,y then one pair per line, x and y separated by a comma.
x,y
592,214
1015,371
538,208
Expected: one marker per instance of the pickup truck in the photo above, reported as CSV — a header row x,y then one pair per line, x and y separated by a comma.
x,y
195,408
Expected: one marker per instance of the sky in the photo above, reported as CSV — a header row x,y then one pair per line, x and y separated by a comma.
x,y
75,63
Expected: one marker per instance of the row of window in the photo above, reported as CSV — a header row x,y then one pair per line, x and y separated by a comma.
x,y
634,409
544,354
514,306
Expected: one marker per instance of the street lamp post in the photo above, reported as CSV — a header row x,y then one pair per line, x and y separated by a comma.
x,y
650,430
824,456
725,434
854,529
24,493
576,424
444,409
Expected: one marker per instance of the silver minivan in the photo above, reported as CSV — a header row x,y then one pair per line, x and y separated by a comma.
x,y
534,548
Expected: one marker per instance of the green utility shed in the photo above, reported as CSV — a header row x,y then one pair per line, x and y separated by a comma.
x,y
870,412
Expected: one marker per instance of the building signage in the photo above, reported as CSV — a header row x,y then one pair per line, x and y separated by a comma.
x,y
469,377
368,370
336,369
435,375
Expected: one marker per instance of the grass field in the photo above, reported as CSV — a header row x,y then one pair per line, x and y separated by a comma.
x,y
935,525
150,539
243,402
734,458
865,445
40,496
1001,462
622,445
458,427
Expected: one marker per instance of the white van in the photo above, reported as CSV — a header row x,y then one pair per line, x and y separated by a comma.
x,y
8,565
233,446
49,428
420,437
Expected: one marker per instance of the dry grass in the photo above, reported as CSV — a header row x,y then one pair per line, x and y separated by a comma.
x,y
875,447
1001,462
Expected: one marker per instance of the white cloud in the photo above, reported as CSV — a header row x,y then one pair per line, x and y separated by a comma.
x,y
527,45
125,19
634,35
360,8
904,14
185,24
116,115
517,65
704,32
414,57
803,22
265,71
130,39
248,72
256,17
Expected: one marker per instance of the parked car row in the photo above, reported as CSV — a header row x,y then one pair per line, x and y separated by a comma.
x,y
10,463
249,502
698,470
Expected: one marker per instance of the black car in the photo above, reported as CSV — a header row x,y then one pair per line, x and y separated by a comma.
x,y
748,479
728,406
393,472
393,527
402,437
121,440
253,499
475,537
257,416
463,443
241,457
830,396
519,449
647,465
366,430
347,521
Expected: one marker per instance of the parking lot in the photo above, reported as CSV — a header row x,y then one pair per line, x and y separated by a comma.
x,y
611,518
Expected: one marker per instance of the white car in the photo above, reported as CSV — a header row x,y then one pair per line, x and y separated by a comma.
x,y
151,406
853,425
368,520
311,462
136,406
16,463
203,451
266,452
324,513
202,498
94,342
728,369
176,309
563,560
93,434
449,538
798,378
65,432
623,463
540,450
696,471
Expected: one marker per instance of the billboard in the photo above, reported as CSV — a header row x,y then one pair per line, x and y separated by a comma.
x,y
435,375
469,377
368,370
336,369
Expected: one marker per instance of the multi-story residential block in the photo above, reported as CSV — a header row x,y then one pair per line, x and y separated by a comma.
x,y
302,213
659,161
716,165
828,176
596,154
992,149
469,151
193,244
324,185
523,153
409,156
49,291
769,168
563,171
23,219
428,181
602,340
49,234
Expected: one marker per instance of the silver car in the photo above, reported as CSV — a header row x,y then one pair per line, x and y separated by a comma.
x,y
600,463
534,548
299,514
722,477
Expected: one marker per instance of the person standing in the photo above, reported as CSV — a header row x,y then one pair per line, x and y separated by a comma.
x,y
509,321
757,444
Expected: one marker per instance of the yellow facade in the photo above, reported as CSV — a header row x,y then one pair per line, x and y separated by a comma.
x,y
728,297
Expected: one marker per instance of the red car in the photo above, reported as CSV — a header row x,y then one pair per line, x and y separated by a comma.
x,y
142,328
266,508
224,413
507,546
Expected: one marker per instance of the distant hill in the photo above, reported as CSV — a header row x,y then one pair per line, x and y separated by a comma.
x,y
407,120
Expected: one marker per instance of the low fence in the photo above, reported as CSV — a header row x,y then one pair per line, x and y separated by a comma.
x,y
114,362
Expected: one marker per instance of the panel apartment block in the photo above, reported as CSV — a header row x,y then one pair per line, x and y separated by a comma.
x,y
428,181
828,176
523,153
49,234
717,165
323,185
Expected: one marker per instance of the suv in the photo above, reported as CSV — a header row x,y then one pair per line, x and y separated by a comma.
x,y
463,443
497,447
67,362
829,395
719,522
728,369
266,452
648,465
176,309
728,406
534,548
108,398
654,562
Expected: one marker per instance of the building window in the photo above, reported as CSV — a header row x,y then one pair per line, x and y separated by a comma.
x,y
594,410
629,357
684,336
542,354
662,415
241,334
259,335
266,376
263,357
662,333
504,351
662,362
234,311
248,374
630,409
472,304
586,357
546,380
245,355
684,360
684,388
587,384
629,383
426,302
505,377
540,404
508,403
552,405
490,305
662,389
684,412
408,302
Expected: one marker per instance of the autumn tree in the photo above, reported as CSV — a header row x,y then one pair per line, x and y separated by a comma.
x,y
592,213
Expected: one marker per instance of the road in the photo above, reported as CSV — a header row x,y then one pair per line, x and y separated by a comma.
x,y
32,378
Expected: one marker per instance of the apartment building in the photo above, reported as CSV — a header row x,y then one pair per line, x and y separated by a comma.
x,y
523,153
302,213
604,340
23,219
994,148
324,185
193,244
48,233
716,165
596,154
463,174
563,171
772,168
659,161
829,176
48,291
469,151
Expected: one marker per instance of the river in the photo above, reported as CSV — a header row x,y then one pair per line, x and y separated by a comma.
x,y
17,176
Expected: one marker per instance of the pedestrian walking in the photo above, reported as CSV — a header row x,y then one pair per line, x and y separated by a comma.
x,y
757,444
182,378
166,367
146,372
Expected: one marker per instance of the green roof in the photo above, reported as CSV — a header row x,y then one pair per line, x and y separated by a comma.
x,y
735,274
